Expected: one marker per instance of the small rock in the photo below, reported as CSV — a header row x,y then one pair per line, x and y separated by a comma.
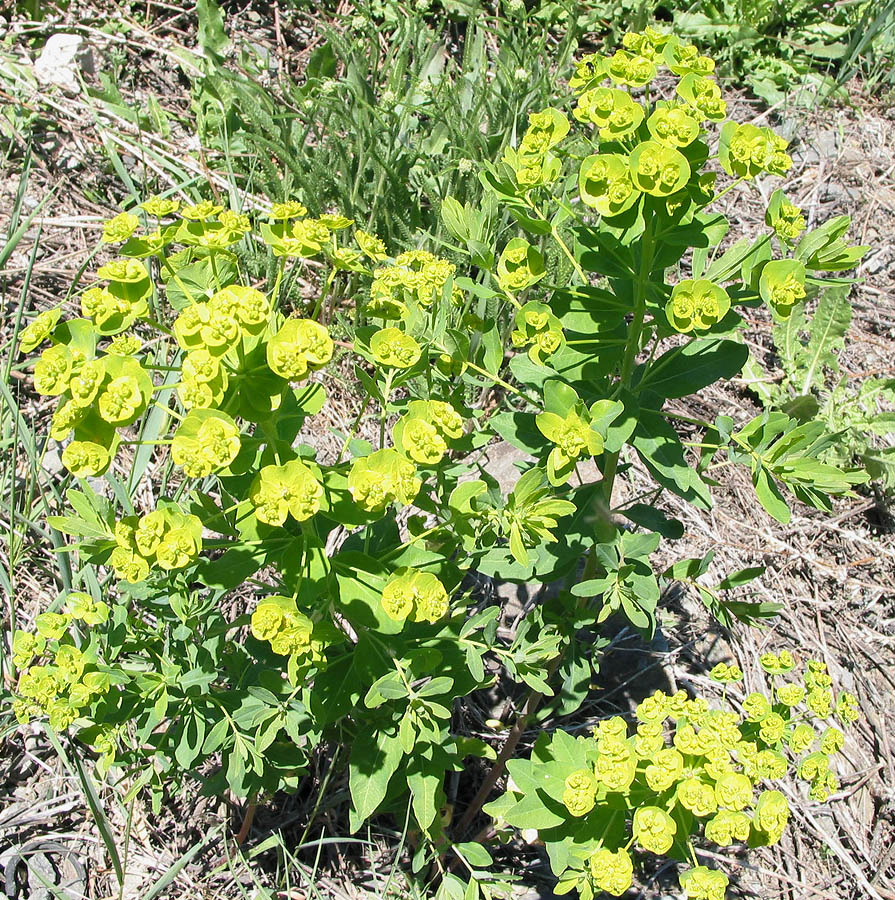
x,y
61,60
52,461
874,264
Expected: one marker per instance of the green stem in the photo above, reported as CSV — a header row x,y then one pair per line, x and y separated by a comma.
x,y
729,187
499,381
354,428
275,295
318,308
214,270
383,415
178,281
554,233
421,536
635,332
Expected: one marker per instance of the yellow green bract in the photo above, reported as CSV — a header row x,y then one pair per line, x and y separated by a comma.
x,y
689,765
287,490
419,596
696,305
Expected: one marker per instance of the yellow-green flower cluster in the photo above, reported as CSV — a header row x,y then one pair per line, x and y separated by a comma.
x,y
392,347
747,151
289,632
574,436
289,209
532,163
785,218
83,608
302,238
64,688
415,278
696,305
287,490
424,431
520,266
613,111
687,761
674,124
634,167
97,396
114,306
702,883
204,379
382,478
119,228
371,246
219,324
703,96
726,673
611,871
419,596
539,330
206,440
782,285
166,537
299,346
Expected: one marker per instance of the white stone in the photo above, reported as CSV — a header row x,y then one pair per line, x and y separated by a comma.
x,y
58,62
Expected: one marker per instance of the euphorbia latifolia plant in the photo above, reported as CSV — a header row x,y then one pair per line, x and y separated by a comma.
x,y
276,597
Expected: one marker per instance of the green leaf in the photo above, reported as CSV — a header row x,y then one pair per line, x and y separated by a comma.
x,y
424,779
726,266
493,357
826,334
374,759
770,496
191,739
454,217
212,36
662,452
322,62
601,252
740,577
686,370
531,812
193,281
475,854
520,430
653,519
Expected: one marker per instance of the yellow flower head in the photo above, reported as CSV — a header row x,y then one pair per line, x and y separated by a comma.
x,y
419,595
756,707
772,728
847,710
771,815
703,883
654,829
83,607
698,796
580,792
299,345
612,871
280,491
392,347
120,228
728,827
291,209
733,790
39,329
666,768
382,478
